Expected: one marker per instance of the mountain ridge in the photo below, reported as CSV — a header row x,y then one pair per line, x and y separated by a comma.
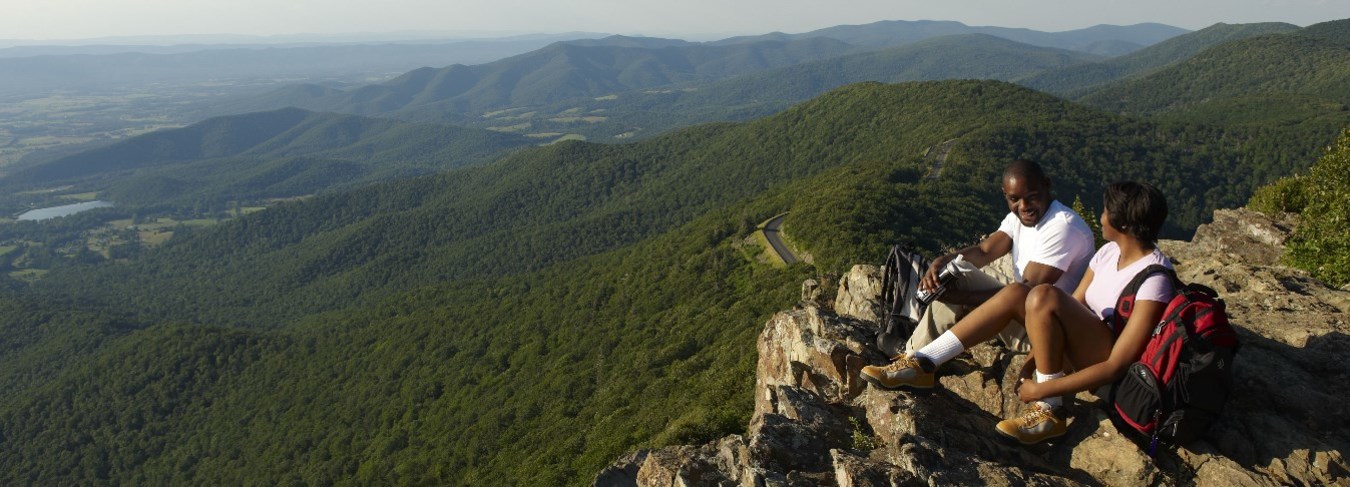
x,y
897,32
120,68
602,67
643,113
564,70
226,151
1288,64
1077,80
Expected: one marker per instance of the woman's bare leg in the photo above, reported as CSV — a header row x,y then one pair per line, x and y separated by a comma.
x,y
1058,325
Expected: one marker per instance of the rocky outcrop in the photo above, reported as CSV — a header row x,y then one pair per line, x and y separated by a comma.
x,y
816,423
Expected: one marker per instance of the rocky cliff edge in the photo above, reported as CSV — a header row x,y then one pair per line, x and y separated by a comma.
x,y
816,423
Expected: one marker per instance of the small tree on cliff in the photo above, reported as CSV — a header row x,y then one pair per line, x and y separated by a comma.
x,y
1091,217
1321,242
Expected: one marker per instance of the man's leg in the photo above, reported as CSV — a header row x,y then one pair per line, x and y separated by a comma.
x,y
940,317
981,324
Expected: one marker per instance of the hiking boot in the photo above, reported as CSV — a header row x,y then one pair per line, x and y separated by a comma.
x,y
1036,424
904,371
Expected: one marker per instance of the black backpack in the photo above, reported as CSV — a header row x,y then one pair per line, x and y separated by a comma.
x,y
1184,376
900,308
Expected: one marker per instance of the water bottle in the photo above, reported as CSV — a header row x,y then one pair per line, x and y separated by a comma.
x,y
949,273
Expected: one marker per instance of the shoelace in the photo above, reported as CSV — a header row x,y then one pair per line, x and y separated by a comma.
x,y
902,363
1036,415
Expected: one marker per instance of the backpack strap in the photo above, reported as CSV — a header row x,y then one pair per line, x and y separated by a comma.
x,y
1125,303
888,284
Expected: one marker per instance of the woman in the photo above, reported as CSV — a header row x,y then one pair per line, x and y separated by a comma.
x,y
1062,326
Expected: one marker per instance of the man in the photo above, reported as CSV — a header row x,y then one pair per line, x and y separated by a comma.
x,y
1049,243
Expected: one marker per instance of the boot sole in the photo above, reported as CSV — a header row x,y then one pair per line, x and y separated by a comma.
x,y
1028,443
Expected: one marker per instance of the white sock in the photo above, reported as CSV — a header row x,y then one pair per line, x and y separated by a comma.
x,y
944,348
1050,402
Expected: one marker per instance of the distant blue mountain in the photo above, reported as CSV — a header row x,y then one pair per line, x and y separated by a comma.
x,y
1100,39
560,71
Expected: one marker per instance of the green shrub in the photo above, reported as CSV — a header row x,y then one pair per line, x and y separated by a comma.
x,y
1285,195
1320,243
1092,218
862,442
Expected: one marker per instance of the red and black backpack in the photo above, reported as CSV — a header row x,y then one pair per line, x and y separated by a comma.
x,y
1180,383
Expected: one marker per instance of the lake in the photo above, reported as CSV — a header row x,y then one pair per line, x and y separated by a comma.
x,y
65,210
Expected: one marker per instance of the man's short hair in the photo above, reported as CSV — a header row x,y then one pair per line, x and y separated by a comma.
x,y
1025,169
1136,209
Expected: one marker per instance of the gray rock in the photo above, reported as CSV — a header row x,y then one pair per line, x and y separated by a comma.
x,y
810,291
854,471
682,466
818,352
1110,458
858,294
622,473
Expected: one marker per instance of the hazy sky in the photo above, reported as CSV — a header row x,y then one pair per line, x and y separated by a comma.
x,y
66,19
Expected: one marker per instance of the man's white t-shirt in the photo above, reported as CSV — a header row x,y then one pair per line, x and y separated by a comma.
x,y
1061,240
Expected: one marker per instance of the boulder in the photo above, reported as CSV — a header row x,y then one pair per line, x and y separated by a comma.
x,y
814,350
859,293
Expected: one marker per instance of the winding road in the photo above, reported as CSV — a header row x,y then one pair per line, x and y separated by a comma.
x,y
940,157
771,233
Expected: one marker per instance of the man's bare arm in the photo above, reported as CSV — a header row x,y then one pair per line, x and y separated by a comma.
x,y
991,248
1038,273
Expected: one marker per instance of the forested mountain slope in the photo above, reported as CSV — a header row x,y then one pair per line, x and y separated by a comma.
x,y
505,94
1269,78
281,153
526,321
644,113
569,200
1335,31
1074,81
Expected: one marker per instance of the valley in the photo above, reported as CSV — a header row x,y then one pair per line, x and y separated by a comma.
x,y
517,270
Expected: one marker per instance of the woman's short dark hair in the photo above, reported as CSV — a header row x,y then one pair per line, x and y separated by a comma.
x,y
1136,209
